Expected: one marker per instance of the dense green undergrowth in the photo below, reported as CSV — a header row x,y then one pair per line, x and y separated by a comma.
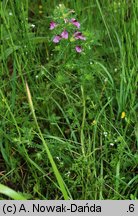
x,y
68,120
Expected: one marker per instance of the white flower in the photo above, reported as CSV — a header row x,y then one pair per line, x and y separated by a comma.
x,y
105,133
111,144
10,14
32,25
68,174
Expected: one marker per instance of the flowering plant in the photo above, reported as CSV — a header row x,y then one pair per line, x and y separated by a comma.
x,y
65,27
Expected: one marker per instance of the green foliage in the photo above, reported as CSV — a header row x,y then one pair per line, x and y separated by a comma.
x,y
84,104
11,193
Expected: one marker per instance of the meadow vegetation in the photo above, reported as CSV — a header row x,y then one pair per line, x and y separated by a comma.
x,y
69,116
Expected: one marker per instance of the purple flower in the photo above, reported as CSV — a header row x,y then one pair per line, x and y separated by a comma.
x,y
64,34
52,25
78,49
57,38
78,35
75,22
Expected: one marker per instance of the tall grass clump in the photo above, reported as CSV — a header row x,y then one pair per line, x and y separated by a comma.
x,y
68,100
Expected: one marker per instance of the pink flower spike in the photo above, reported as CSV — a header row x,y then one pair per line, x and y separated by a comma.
x,y
57,38
75,22
78,35
64,34
78,49
52,25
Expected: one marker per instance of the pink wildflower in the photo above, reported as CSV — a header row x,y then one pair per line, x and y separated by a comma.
x,y
52,25
78,49
57,38
64,34
75,22
78,35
